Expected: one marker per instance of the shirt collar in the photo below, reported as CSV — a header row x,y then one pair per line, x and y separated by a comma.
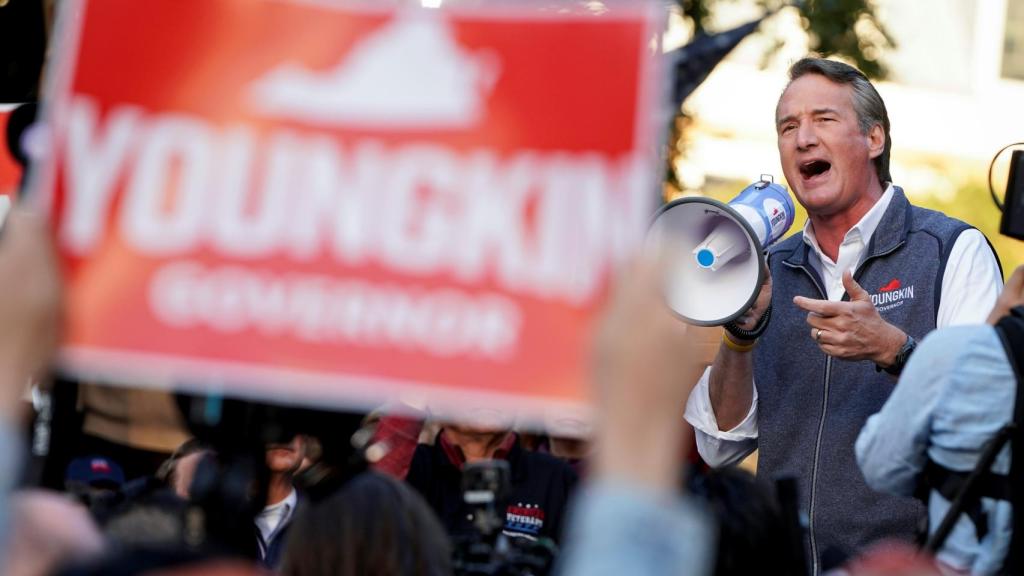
x,y
288,504
272,518
458,459
862,230
292,500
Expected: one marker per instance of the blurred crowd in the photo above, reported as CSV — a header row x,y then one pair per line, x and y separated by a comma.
x,y
262,489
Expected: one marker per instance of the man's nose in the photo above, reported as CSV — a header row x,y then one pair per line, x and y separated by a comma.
x,y
806,135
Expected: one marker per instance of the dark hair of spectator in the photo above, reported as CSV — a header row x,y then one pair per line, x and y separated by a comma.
x,y
753,531
373,526
167,468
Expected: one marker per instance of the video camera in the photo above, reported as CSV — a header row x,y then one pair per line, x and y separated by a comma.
x,y
1012,222
489,551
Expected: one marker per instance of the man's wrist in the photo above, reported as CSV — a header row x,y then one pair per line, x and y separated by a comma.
x,y
749,335
896,354
737,344
893,341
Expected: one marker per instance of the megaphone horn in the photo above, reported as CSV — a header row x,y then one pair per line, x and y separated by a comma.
x,y
715,251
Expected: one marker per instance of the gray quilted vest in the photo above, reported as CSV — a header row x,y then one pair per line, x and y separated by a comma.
x,y
811,406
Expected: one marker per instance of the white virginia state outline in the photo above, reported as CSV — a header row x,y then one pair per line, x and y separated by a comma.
x,y
408,74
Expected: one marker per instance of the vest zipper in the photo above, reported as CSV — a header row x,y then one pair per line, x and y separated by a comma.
x,y
815,568
817,441
814,466
824,408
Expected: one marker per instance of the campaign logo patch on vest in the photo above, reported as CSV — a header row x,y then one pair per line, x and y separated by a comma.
x,y
892,295
524,519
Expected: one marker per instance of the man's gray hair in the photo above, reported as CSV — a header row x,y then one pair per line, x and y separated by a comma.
x,y
866,102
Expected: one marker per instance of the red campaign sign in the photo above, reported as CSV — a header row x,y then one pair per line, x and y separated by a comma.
x,y
338,204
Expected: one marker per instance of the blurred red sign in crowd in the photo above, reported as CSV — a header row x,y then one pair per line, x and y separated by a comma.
x,y
343,205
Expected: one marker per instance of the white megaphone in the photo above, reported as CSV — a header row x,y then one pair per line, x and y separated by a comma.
x,y
715,252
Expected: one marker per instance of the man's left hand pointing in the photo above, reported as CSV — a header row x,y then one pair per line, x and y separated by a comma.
x,y
852,330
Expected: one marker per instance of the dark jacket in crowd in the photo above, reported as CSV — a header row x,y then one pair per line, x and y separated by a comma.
x,y
540,488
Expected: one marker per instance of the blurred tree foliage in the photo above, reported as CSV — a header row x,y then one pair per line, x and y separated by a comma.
x,y
849,29
972,204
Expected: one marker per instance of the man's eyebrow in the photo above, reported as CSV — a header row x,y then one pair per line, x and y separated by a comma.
x,y
785,119
815,112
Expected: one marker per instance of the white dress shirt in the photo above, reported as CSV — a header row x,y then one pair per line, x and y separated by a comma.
x,y
970,286
271,519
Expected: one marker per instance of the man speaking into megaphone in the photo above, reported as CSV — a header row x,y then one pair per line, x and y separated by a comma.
x,y
838,312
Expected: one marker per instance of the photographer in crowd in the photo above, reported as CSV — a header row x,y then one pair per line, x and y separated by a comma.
x,y
956,395
541,485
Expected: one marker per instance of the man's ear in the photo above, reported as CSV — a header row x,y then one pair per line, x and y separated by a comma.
x,y
876,141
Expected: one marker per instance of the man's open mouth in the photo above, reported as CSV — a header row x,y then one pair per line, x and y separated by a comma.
x,y
814,168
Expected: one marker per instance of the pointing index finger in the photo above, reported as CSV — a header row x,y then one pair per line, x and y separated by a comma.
x,y
819,307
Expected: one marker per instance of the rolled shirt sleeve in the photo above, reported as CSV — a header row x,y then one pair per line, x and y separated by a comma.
x,y
719,447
